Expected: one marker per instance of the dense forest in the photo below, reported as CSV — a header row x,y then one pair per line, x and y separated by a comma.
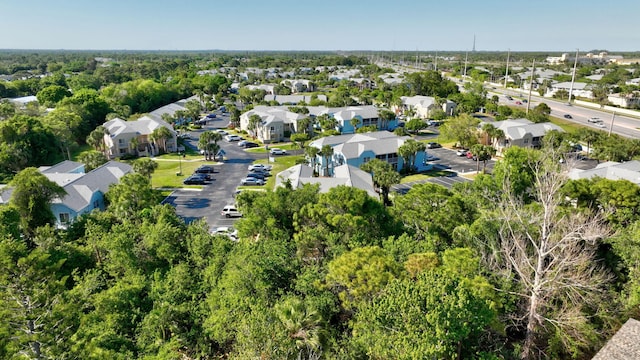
x,y
520,263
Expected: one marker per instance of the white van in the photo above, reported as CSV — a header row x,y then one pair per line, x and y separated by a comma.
x,y
230,211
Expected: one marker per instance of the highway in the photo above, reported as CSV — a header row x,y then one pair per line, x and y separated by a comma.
x,y
622,125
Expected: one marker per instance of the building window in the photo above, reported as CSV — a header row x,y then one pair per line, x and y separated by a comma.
x,y
65,218
366,159
96,204
526,141
121,141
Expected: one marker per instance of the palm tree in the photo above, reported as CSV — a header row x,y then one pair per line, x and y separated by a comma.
x,y
96,138
384,176
409,153
326,152
133,145
302,324
385,116
355,122
252,126
312,154
161,134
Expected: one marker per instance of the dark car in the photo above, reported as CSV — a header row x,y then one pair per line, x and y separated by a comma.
x,y
433,145
260,171
251,145
257,176
567,116
205,169
194,180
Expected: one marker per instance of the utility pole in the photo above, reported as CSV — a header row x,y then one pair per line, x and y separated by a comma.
x,y
466,57
533,71
611,126
506,75
573,77
436,67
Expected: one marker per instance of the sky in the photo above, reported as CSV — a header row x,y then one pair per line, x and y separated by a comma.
x,y
392,25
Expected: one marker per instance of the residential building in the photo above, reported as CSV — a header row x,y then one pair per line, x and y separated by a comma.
x,y
344,175
120,141
631,100
579,89
357,149
293,99
276,123
423,106
299,85
268,88
84,191
279,121
522,133
611,170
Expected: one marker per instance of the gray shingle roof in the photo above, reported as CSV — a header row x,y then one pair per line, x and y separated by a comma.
x,y
611,170
624,345
346,175
66,166
81,188
143,126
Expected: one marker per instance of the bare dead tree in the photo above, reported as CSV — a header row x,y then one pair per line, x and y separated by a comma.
x,y
549,249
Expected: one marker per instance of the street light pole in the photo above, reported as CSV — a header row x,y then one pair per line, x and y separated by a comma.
x,y
180,161
573,76
611,126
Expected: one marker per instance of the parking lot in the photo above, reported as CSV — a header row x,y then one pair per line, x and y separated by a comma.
x,y
193,204
448,159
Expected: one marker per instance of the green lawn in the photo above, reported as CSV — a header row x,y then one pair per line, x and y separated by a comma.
x,y
425,175
567,126
165,174
281,163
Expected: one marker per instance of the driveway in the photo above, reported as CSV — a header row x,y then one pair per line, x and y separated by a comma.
x,y
208,202
446,181
447,159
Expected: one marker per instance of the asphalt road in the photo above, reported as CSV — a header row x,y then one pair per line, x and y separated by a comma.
x,y
208,202
622,125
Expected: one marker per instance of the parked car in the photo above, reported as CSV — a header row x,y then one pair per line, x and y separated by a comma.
x,y
230,211
260,171
231,138
431,158
567,116
251,181
194,180
433,145
206,177
461,152
469,155
211,116
222,132
247,144
259,166
257,175
277,151
227,231
205,169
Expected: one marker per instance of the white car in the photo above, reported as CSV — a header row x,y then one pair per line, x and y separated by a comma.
x,y
277,151
594,120
259,167
461,152
222,132
231,138
226,230
600,125
229,211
